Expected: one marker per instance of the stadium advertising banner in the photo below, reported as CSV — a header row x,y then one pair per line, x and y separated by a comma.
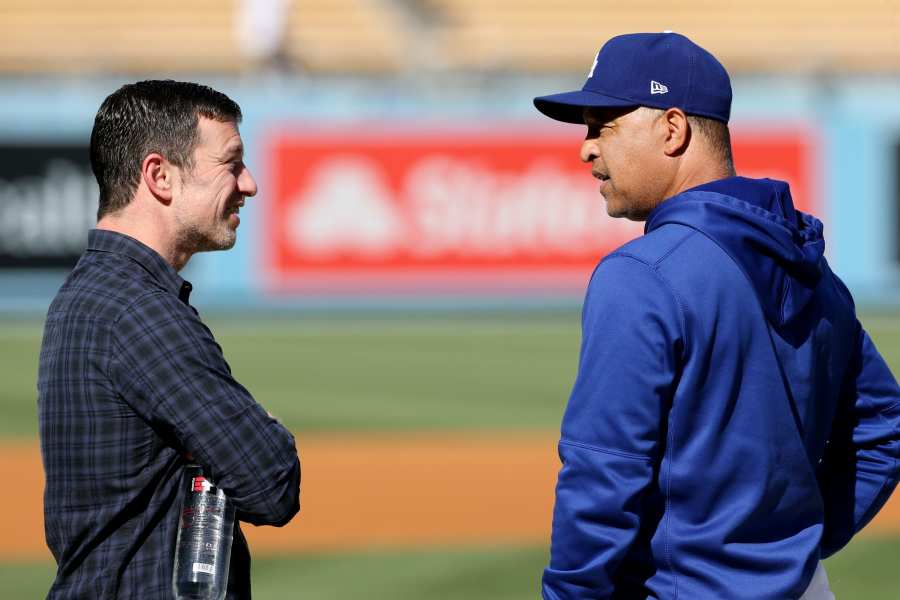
x,y
48,202
453,212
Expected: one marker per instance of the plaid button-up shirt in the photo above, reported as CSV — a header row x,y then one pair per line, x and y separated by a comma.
x,y
130,382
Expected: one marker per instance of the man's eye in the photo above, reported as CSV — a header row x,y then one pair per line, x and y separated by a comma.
x,y
595,131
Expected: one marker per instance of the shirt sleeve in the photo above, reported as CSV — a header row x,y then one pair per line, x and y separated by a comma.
x,y
170,370
632,342
861,464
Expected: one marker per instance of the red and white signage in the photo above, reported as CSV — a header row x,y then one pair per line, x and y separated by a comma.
x,y
436,211
779,152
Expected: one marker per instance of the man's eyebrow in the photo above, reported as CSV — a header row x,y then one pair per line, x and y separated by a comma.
x,y
593,116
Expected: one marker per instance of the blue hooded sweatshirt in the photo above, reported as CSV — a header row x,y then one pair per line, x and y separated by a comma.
x,y
731,422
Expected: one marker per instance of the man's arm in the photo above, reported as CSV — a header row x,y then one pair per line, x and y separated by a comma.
x,y
171,371
861,465
631,346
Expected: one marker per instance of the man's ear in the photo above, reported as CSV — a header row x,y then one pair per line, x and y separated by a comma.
x,y
159,177
678,131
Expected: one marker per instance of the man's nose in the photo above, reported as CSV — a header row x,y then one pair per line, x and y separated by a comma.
x,y
588,151
246,183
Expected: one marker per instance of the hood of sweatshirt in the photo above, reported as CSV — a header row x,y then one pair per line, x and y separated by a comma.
x,y
754,221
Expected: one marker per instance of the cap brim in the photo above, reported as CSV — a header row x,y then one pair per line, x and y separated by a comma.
x,y
568,107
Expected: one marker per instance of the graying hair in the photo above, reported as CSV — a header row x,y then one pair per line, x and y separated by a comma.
x,y
715,133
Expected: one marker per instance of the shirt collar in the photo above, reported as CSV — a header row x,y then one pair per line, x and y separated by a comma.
x,y
103,240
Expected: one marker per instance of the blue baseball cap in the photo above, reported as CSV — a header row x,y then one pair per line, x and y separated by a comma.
x,y
658,70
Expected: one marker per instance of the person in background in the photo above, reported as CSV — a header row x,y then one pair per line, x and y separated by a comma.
x,y
260,28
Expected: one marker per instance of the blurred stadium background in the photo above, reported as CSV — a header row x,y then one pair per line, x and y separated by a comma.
x,y
405,289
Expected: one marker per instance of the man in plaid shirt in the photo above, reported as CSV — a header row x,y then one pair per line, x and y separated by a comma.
x,y
131,381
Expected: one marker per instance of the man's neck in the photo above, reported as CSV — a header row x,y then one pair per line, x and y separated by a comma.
x,y
149,236
699,176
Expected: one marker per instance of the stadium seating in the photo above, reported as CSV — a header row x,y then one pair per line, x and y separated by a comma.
x,y
535,35
388,36
116,36
190,36
356,36
770,35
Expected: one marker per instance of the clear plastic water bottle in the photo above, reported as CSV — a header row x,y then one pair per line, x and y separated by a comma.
x,y
203,545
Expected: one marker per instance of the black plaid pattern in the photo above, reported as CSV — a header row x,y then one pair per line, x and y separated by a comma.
x,y
130,381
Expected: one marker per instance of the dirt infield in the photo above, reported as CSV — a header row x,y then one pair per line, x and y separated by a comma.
x,y
364,491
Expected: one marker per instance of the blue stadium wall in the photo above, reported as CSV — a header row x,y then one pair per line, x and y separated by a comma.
x,y
855,122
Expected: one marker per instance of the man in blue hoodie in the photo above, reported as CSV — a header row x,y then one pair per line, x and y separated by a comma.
x,y
731,423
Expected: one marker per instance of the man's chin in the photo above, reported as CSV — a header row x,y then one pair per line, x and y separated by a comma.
x,y
614,209
223,242
228,242
618,211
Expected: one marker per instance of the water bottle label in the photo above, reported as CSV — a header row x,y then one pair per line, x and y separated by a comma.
x,y
201,484
203,568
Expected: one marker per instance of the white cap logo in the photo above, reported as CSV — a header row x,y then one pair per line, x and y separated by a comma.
x,y
593,66
658,88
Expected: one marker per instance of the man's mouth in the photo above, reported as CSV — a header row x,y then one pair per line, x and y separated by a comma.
x,y
235,208
233,211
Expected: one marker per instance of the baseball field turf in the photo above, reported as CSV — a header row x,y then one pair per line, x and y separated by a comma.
x,y
465,406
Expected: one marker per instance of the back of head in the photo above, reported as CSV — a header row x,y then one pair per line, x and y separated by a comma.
x,y
149,116
717,137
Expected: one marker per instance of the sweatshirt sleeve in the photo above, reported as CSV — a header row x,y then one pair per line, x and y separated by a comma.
x,y
632,341
173,374
861,464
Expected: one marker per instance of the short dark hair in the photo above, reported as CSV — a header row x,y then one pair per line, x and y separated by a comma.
x,y
149,116
717,136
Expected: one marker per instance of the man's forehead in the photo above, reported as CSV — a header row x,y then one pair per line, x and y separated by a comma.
x,y
220,136
601,114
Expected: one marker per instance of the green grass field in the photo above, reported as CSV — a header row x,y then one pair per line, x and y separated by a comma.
x,y
359,373
865,570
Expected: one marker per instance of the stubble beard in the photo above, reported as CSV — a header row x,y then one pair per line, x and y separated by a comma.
x,y
222,238
194,238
